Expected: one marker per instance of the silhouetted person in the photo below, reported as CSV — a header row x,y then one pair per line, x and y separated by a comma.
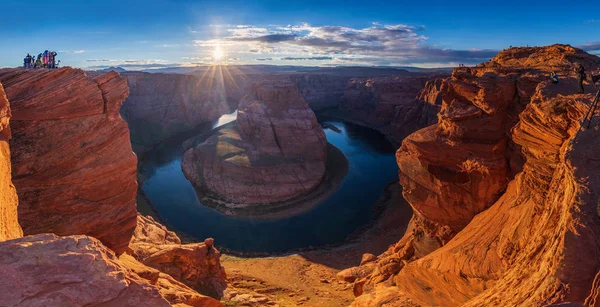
x,y
554,78
580,71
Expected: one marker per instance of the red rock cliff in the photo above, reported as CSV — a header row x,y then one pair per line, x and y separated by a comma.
x,y
503,191
72,162
9,224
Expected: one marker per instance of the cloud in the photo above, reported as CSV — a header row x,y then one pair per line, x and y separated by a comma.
x,y
314,58
72,51
378,44
591,46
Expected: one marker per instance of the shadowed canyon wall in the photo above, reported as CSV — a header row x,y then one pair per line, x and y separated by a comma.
x,y
163,105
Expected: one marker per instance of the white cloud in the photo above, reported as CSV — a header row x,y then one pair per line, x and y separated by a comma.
x,y
72,51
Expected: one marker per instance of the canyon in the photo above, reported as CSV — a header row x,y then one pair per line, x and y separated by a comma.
x,y
495,203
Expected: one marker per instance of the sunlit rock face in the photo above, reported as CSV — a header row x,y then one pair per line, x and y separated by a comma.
x,y
163,105
9,224
276,150
72,163
503,189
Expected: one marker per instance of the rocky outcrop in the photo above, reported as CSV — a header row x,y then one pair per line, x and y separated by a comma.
x,y
72,163
175,292
9,224
275,151
196,265
503,193
46,270
163,105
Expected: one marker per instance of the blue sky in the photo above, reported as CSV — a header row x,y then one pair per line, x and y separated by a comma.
x,y
156,33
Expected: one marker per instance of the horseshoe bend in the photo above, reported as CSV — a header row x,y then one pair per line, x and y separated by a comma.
x,y
235,184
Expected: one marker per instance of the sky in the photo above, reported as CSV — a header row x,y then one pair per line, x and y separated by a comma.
x,y
164,33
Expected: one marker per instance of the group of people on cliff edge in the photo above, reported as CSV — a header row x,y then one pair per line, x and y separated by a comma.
x,y
47,59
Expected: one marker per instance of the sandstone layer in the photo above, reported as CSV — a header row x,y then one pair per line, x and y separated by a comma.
x,y
72,163
163,105
276,150
9,224
503,192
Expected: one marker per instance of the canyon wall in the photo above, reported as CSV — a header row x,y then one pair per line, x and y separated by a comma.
x,y
163,105
321,91
502,189
9,224
72,163
397,106
275,151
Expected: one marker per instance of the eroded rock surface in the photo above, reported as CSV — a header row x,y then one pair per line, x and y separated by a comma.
x,y
197,265
275,151
72,162
503,191
47,270
9,224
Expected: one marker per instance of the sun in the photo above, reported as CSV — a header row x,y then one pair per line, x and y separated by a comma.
x,y
218,53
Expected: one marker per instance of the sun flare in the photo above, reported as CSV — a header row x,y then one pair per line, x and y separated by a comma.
x,y
218,53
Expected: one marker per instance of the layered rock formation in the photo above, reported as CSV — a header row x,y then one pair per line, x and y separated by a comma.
x,y
163,105
9,224
72,163
275,151
503,191
397,106
321,91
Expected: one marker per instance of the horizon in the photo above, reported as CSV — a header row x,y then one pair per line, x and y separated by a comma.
x,y
158,34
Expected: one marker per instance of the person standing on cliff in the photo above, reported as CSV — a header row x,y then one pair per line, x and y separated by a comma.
x,y
580,71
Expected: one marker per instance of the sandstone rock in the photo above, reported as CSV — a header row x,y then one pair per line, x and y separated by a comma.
x,y
275,151
162,105
9,224
196,265
47,270
172,290
72,162
534,239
